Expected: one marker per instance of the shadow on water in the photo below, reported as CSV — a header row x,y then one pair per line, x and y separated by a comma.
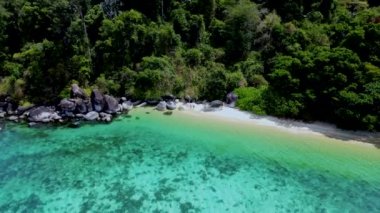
x,y
328,130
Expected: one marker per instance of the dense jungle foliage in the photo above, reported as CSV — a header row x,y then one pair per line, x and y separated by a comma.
x,y
309,60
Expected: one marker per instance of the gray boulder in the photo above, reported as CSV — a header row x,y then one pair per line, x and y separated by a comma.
x,y
111,104
97,100
161,106
40,114
67,105
127,105
13,118
77,92
81,106
171,105
216,104
231,98
2,114
91,116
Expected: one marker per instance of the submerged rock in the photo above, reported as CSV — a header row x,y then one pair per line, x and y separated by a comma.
x,y
75,124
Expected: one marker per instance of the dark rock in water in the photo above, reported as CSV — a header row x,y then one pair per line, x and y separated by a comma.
x,y
171,105
91,116
75,124
81,106
77,92
111,104
152,102
3,104
168,113
67,105
216,104
231,98
40,114
97,100
168,97
161,106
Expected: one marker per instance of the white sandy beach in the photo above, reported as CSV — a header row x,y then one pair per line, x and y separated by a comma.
x,y
296,127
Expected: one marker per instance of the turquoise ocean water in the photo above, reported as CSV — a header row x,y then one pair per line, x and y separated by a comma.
x,y
150,162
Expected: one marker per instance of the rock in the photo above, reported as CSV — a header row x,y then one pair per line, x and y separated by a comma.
x,y
123,99
10,109
152,102
127,105
141,105
67,105
136,103
67,114
161,106
91,116
188,99
55,117
168,97
231,98
171,105
2,114
3,104
168,113
105,117
181,108
216,104
40,114
111,104
21,109
32,124
97,100
75,124
88,105
77,92
13,118
81,107
79,115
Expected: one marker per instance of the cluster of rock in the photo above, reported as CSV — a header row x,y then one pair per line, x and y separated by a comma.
x,y
98,107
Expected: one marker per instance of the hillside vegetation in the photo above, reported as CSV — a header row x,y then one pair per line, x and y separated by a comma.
x,y
309,60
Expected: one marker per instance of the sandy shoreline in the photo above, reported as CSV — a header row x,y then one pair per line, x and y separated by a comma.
x,y
295,127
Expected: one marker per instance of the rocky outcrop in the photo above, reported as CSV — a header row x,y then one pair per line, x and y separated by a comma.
x,y
97,101
41,114
111,104
80,106
231,98
77,92
168,97
67,105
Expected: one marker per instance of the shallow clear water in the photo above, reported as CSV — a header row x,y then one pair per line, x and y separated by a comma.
x,y
181,163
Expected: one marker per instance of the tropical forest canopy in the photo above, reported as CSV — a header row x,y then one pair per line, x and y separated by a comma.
x,y
309,60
